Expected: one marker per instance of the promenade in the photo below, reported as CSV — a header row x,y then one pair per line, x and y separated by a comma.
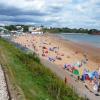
x,y
3,86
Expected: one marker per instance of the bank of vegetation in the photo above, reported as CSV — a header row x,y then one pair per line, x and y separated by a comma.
x,y
65,30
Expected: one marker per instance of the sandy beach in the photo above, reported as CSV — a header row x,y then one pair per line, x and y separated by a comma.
x,y
66,51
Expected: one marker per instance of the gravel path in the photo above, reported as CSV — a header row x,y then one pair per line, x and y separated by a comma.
x,y
3,88
78,86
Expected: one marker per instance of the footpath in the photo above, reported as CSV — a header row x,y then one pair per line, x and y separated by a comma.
x,y
3,86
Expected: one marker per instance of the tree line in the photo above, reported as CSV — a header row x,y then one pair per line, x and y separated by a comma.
x,y
55,30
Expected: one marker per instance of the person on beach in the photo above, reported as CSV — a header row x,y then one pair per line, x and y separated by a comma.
x,y
99,87
78,77
65,79
99,72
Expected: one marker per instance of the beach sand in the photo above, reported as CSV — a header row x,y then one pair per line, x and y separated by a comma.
x,y
67,52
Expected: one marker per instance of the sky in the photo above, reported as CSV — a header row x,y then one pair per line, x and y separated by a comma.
x,y
55,13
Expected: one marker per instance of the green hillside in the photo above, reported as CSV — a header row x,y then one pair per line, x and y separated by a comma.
x,y
30,77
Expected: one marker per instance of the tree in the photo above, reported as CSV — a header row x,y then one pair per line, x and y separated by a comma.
x,y
25,28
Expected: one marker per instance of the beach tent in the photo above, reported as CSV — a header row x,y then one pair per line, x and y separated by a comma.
x,y
80,71
78,64
90,75
87,77
85,71
83,77
76,72
95,74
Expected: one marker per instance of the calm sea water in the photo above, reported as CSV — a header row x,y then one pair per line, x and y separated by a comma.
x,y
93,40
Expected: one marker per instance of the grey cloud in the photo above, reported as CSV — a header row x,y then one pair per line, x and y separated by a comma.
x,y
12,11
55,9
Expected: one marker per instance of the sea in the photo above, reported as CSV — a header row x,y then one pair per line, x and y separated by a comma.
x,y
93,40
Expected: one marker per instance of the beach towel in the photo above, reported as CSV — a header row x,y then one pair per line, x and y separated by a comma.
x,y
51,59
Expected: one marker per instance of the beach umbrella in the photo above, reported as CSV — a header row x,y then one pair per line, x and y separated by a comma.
x,y
76,72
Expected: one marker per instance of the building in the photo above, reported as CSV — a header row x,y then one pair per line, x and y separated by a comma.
x,y
3,30
35,30
19,28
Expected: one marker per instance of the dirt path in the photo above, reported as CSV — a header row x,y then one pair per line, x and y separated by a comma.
x,y
78,86
3,87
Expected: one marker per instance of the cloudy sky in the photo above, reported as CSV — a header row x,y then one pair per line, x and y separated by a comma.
x,y
57,13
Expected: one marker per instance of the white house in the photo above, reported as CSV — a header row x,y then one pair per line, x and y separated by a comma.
x,y
35,30
3,30
19,28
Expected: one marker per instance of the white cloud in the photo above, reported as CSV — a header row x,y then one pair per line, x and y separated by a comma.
x,y
58,12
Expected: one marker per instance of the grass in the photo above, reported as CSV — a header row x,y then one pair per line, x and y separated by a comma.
x,y
35,81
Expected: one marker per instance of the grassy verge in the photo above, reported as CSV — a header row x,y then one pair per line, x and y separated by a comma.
x,y
34,80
